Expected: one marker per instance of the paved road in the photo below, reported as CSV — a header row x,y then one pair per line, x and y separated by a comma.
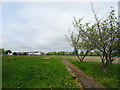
x,y
83,79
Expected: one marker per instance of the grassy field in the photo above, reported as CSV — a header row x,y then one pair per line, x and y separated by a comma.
x,y
87,58
50,72
35,72
108,79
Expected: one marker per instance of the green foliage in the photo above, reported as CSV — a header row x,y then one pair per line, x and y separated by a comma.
x,y
60,53
25,53
55,53
90,54
14,53
8,51
35,72
81,53
109,79
97,53
2,51
103,36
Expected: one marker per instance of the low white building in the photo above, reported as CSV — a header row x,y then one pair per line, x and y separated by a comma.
x,y
35,53
10,53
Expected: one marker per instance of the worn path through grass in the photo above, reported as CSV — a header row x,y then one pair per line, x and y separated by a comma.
x,y
83,79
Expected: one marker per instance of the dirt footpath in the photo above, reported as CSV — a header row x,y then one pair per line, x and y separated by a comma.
x,y
82,79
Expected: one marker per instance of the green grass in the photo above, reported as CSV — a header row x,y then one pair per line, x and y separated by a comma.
x,y
108,79
35,72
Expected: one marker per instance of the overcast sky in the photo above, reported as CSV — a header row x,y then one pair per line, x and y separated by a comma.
x,y
42,26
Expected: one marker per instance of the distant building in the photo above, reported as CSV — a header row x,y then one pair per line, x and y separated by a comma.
x,y
36,53
10,53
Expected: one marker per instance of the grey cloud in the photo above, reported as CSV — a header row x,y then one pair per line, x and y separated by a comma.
x,y
42,26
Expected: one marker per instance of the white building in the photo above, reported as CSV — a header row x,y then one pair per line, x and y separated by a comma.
x,y
36,53
10,53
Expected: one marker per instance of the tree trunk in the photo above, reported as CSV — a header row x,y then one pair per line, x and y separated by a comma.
x,y
104,68
76,52
79,58
110,62
85,55
82,58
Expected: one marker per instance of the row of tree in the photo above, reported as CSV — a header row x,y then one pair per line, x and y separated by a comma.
x,y
6,52
103,36
3,51
73,53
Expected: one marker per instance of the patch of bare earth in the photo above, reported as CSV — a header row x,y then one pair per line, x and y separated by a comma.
x,y
81,78
46,58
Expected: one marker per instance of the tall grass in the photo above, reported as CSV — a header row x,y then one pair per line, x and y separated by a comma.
x,y
35,72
